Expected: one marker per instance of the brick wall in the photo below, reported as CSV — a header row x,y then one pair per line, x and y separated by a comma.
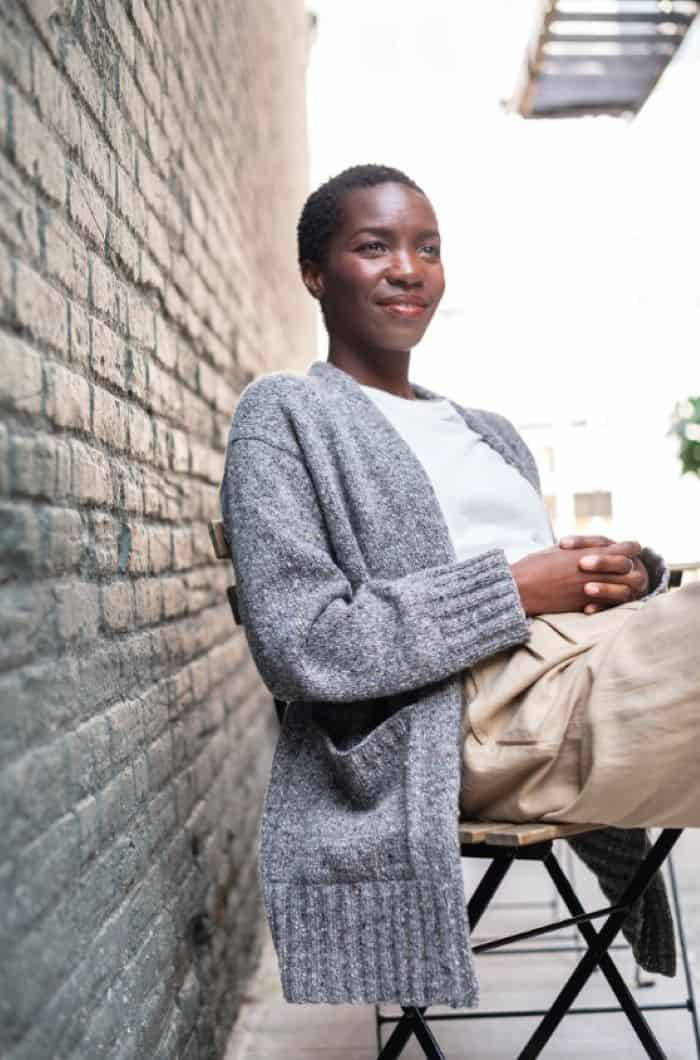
x,y
152,165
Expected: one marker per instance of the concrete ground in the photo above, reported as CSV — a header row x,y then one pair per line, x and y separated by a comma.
x,y
270,1029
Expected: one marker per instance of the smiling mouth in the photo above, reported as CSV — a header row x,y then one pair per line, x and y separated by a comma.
x,y
404,310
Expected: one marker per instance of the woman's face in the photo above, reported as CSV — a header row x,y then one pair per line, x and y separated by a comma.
x,y
383,277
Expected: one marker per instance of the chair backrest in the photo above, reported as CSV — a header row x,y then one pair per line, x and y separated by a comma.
x,y
222,551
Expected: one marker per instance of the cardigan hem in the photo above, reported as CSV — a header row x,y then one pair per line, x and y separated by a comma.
x,y
395,941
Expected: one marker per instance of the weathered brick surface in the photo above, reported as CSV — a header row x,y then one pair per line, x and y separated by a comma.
x,y
152,165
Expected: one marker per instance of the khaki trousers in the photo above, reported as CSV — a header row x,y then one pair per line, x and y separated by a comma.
x,y
595,720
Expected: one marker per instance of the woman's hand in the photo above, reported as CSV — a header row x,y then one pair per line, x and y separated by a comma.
x,y
559,579
639,583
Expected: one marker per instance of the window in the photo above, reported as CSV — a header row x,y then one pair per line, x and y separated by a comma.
x,y
592,505
548,457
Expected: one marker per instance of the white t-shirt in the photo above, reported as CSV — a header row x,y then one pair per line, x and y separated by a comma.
x,y
486,502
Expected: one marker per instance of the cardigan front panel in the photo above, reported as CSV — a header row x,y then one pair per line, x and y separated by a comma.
x,y
334,526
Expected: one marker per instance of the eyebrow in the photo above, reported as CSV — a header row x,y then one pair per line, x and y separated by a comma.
x,y
379,230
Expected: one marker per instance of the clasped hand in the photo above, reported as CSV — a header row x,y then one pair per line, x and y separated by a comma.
x,y
583,573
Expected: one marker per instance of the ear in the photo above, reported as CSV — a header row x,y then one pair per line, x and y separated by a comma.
x,y
312,275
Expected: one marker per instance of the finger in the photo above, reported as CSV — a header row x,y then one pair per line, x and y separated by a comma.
x,y
609,592
591,609
609,562
626,548
583,541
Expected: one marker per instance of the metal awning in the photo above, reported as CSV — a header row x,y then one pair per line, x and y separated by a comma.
x,y
599,56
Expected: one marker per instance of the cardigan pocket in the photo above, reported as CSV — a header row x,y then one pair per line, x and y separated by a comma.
x,y
367,771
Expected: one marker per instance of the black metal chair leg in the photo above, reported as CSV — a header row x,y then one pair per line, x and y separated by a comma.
x,y
488,885
606,963
426,1038
690,986
607,933
396,1042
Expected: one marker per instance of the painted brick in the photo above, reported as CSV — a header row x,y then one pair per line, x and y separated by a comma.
x,y
138,549
19,541
18,215
36,153
161,445
121,28
77,610
106,537
157,240
148,82
67,398
123,245
140,434
91,480
148,601
166,345
109,419
118,605
117,132
34,464
182,548
66,540
25,622
131,102
180,449
79,336
4,459
21,383
159,549
104,288
141,323
175,600
97,158
66,259
165,394
131,204
109,357
86,207
41,310
83,76
55,99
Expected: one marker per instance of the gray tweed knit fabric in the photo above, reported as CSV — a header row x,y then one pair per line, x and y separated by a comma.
x,y
358,614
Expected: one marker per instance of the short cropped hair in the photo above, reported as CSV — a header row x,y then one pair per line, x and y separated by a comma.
x,y
321,215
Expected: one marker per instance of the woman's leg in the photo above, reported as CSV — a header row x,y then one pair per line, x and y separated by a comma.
x,y
597,719
640,725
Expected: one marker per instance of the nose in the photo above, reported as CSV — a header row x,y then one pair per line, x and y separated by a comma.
x,y
405,268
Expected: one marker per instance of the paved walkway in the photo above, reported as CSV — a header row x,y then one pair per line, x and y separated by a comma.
x,y
270,1029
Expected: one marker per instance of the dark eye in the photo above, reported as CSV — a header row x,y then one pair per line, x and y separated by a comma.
x,y
375,245
431,249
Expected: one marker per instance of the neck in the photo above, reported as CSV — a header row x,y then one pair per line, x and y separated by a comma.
x,y
387,371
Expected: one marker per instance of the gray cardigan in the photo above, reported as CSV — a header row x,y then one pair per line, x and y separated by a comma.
x,y
358,614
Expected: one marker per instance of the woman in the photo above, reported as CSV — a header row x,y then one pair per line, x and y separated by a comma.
x,y
383,541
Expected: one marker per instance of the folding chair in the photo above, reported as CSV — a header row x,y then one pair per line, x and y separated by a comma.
x,y
504,844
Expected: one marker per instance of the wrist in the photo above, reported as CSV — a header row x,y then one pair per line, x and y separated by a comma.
x,y
522,584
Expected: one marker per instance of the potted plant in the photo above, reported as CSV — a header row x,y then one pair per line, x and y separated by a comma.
x,y
685,424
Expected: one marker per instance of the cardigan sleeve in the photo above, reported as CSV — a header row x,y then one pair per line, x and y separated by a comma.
x,y
313,635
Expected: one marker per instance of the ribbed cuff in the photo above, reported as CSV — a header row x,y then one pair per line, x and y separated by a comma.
x,y
365,942
477,606
658,570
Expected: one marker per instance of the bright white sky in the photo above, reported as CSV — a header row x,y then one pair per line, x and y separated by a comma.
x,y
571,247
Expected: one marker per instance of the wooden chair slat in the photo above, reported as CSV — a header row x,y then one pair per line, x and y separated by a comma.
x,y
518,835
218,540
